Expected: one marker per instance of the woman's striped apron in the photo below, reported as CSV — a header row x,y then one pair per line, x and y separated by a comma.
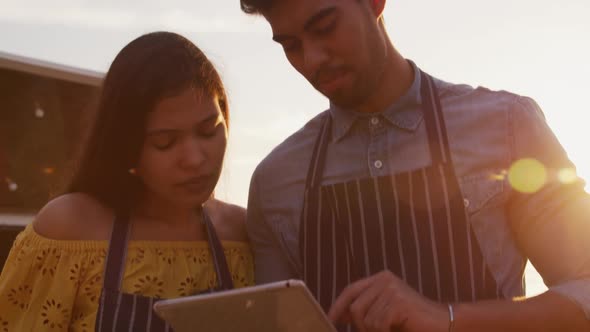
x,y
118,311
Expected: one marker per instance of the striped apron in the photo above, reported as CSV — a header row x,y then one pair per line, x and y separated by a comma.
x,y
118,311
413,224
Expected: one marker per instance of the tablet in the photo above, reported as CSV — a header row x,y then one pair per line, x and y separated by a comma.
x,y
284,306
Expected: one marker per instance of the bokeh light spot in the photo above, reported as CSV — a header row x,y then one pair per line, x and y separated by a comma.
x,y
498,176
39,112
49,170
527,175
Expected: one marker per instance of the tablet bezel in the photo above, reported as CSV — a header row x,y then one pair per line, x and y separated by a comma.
x,y
164,307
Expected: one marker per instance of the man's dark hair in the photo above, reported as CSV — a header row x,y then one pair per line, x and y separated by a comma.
x,y
255,6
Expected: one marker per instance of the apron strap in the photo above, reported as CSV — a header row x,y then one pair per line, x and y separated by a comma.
x,y
224,280
117,254
436,129
318,160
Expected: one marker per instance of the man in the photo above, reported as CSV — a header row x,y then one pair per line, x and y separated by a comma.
x,y
413,203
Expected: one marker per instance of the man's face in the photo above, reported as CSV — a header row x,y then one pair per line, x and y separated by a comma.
x,y
336,45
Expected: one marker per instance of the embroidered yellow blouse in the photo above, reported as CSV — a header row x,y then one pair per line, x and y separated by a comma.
x,y
50,285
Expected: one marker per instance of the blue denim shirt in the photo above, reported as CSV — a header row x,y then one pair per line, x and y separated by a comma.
x,y
500,145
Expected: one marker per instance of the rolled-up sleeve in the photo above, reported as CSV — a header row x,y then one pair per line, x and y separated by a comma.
x,y
552,224
270,262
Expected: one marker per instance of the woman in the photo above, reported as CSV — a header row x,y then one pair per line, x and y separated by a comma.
x,y
138,221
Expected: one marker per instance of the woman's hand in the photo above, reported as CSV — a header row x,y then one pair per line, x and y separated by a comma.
x,y
384,302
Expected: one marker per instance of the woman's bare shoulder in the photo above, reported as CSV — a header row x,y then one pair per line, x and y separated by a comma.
x,y
229,220
74,216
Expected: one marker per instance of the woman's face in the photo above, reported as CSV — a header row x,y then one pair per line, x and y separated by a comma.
x,y
183,149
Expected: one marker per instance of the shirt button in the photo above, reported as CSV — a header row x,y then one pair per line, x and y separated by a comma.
x,y
374,121
466,202
378,164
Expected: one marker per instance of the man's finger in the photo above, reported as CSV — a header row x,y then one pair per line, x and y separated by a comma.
x,y
380,315
350,293
364,301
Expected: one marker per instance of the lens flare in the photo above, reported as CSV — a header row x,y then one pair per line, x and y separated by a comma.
x,y
567,175
500,176
527,175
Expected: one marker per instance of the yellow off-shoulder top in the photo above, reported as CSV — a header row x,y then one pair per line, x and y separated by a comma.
x,y
54,285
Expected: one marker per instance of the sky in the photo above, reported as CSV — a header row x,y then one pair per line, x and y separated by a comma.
x,y
537,48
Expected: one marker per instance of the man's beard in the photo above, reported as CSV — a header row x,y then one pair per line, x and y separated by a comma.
x,y
365,82
350,98
362,89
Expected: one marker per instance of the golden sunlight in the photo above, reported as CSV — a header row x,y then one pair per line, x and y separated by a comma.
x,y
567,175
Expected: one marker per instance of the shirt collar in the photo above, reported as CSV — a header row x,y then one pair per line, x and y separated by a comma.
x,y
399,113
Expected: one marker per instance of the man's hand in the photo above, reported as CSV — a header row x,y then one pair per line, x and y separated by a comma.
x,y
383,301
